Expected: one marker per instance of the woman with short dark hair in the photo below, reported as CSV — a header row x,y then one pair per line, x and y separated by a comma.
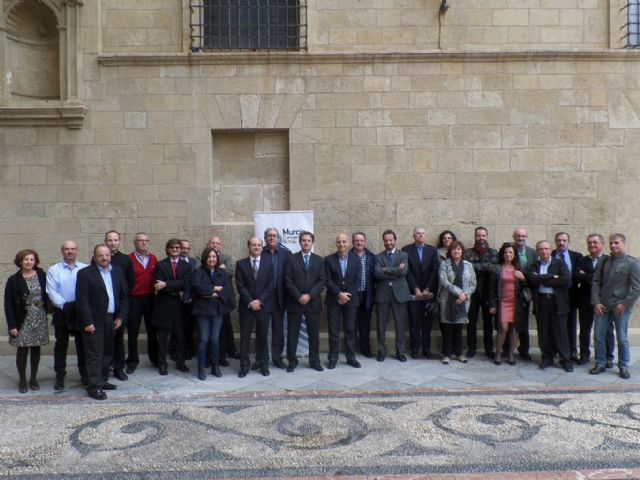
x,y
25,309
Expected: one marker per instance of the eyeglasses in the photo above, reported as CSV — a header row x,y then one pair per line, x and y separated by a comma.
x,y
174,247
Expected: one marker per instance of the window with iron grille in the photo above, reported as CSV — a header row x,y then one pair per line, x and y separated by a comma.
x,y
632,35
248,24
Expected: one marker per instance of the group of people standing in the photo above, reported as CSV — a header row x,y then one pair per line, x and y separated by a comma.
x,y
418,284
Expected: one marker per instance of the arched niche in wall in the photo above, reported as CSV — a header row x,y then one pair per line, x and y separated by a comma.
x,y
32,52
40,57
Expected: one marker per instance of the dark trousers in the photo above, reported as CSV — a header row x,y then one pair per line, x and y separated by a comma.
x,y
98,347
451,339
345,317
572,330
117,361
479,304
363,319
293,333
586,325
62,334
552,330
277,332
400,317
419,327
524,342
227,340
176,331
140,307
247,320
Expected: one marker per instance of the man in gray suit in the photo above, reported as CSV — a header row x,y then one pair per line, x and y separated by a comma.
x,y
615,290
392,293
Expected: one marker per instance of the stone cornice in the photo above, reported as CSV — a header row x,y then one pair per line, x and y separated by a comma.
x,y
221,58
68,115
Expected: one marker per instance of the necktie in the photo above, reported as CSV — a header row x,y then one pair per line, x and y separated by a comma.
x,y
173,268
255,268
390,257
306,262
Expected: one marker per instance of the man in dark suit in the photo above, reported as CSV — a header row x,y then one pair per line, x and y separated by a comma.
x,y
573,261
527,256
550,282
227,338
171,277
366,292
422,278
101,304
189,320
392,293
112,240
586,275
304,277
343,280
277,255
254,281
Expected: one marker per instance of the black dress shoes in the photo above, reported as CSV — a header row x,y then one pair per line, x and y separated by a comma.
x,y
223,362
401,357
525,356
183,368
381,356
597,370
22,386
59,385
583,360
120,375
256,366
201,374
97,393
414,355
109,386
291,368
331,365
367,354
317,367
353,363
243,373
130,368
624,373
278,363
215,371
471,353
427,355
567,366
33,385
609,364
265,372
162,369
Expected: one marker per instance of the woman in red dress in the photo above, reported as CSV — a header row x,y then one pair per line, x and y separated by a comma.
x,y
506,300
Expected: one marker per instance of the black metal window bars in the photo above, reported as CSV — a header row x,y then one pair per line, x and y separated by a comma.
x,y
632,27
248,24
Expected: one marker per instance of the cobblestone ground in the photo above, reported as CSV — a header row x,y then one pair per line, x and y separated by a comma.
x,y
418,420
274,435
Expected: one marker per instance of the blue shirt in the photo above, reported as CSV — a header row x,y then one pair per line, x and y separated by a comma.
x,y
108,283
143,259
343,263
543,270
61,282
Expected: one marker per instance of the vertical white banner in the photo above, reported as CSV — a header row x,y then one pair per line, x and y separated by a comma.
x,y
290,225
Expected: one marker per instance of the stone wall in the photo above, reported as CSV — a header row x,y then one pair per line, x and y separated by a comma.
x,y
547,140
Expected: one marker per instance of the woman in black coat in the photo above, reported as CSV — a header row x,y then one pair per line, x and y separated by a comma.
x,y
25,309
506,300
211,294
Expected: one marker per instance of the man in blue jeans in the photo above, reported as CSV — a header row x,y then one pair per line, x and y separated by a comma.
x,y
615,289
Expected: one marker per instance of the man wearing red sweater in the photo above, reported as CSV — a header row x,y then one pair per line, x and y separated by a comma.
x,y
141,302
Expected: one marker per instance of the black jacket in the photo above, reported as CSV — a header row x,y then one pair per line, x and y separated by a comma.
x,y
202,285
557,277
15,298
92,300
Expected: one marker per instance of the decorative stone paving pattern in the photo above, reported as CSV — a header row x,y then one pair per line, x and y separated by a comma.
x,y
310,435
